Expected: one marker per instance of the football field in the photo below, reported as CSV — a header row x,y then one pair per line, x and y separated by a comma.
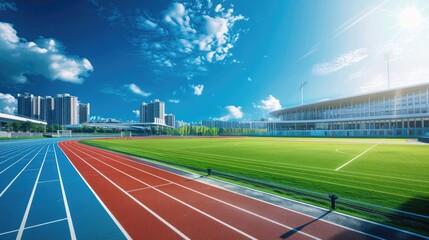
x,y
392,173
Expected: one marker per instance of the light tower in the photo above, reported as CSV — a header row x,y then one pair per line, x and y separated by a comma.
x,y
302,92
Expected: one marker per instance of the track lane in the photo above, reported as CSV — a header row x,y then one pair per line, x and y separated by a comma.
x,y
208,194
199,225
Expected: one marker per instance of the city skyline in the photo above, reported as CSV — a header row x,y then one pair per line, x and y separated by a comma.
x,y
219,60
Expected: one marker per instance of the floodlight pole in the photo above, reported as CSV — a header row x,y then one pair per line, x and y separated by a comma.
x,y
302,92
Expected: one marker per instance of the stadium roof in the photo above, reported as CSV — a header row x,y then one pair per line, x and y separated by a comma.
x,y
360,97
12,118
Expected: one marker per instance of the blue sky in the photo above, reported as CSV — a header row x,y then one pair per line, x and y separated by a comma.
x,y
230,60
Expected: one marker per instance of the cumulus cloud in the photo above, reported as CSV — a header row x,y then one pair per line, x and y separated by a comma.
x,y
342,61
174,100
188,34
137,113
7,5
135,89
20,58
233,112
198,89
270,104
8,103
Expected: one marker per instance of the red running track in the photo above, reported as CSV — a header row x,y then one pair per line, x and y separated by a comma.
x,y
150,203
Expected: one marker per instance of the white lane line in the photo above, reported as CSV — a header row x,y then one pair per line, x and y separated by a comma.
x,y
121,228
19,150
22,170
345,164
66,205
213,198
48,181
176,199
30,201
133,198
139,189
17,161
34,226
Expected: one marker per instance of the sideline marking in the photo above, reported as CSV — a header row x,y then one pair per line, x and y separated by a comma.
x,y
133,198
208,196
121,228
13,180
345,164
66,205
30,201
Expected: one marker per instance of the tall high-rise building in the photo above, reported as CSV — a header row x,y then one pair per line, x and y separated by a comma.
x,y
48,109
25,105
152,112
83,112
36,107
66,109
170,120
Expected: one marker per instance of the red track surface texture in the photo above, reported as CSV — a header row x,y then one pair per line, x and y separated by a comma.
x,y
150,203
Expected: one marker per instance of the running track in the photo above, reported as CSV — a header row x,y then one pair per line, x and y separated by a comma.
x,y
112,196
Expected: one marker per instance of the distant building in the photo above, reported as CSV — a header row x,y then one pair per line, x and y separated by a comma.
x,y
48,106
180,124
153,112
83,112
25,105
233,124
66,109
170,120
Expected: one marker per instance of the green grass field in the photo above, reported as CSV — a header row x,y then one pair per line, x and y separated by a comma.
x,y
392,173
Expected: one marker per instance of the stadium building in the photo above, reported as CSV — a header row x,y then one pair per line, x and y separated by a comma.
x,y
401,112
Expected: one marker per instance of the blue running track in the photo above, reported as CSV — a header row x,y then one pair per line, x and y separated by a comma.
x,y
42,196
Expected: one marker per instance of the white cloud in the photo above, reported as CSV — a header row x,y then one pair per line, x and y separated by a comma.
x,y
174,100
20,58
233,113
7,5
188,35
198,89
135,89
137,113
270,104
8,103
342,61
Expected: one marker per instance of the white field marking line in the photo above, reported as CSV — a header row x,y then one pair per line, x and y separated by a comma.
x,y
177,200
17,161
49,181
187,205
338,151
30,201
66,205
277,206
345,164
22,170
139,189
213,198
133,198
34,226
121,228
